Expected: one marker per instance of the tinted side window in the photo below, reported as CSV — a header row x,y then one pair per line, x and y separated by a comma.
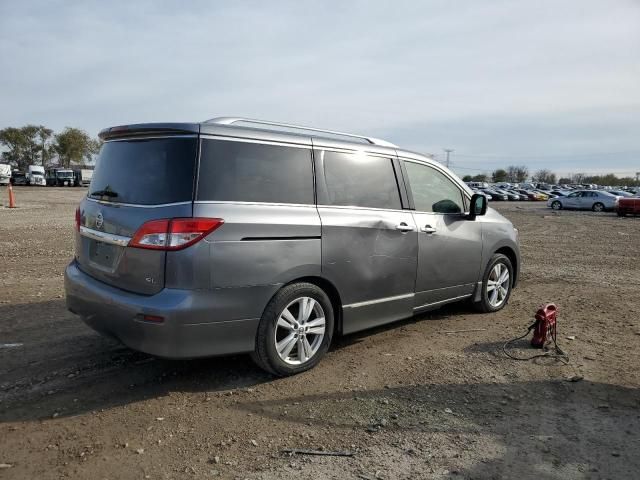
x,y
432,190
358,180
254,172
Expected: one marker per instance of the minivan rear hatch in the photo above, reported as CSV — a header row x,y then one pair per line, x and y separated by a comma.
x,y
137,179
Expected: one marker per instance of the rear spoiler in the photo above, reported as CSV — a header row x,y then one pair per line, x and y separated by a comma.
x,y
149,129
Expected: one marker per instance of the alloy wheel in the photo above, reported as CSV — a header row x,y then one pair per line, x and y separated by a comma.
x,y
498,285
299,331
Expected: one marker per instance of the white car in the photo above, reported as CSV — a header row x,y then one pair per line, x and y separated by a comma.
x,y
595,200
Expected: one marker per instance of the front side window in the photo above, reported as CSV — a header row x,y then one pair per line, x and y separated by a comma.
x,y
357,180
255,172
432,190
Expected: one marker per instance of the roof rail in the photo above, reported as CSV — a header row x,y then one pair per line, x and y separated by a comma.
x,y
232,120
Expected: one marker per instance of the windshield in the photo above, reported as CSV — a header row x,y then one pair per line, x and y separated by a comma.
x,y
145,172
64,174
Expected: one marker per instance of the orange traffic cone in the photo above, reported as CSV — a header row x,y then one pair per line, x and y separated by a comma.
x,y
12,198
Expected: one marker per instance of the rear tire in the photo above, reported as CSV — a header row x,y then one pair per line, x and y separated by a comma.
x,y
598,207
295,330
496,284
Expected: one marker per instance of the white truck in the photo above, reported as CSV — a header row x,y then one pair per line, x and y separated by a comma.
x,y
5,174
35,176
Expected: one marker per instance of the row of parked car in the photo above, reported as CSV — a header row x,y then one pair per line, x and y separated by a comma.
x,y
508,192
623,200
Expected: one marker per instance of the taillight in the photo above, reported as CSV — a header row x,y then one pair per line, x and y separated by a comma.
x,y
174,233
152,235
187,231
78,219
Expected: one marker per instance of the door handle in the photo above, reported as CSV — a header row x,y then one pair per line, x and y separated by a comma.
x,y
403,227
428,229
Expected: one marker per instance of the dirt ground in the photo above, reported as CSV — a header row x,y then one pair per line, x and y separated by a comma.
x,y
408,400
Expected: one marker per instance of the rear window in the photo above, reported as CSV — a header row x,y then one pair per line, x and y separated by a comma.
x,y
145,172
254,172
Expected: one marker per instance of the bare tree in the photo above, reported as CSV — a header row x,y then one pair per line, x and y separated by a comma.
x,y
545,176
577,177
46,149
517,173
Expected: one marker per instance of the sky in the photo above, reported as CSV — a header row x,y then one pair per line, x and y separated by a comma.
x,y
549,84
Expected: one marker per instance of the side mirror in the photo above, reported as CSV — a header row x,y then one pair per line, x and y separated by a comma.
x,y
478,205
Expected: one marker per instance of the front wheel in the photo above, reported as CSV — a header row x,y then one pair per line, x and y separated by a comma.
x,y
295,330
598,207
496,284
556,205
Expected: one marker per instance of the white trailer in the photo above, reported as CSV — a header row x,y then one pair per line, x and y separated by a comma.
x,y
85,177
5,174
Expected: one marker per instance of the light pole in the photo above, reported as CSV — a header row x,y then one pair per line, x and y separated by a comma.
x,y
448,150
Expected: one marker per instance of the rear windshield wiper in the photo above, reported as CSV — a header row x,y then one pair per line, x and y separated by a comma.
x,y
104,193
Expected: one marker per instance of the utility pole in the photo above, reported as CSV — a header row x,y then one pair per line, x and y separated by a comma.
x,y
448,150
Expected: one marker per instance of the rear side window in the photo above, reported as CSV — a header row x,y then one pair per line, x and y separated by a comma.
x,y
254,172
145,172
358,180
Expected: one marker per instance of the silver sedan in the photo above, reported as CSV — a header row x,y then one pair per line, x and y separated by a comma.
x,y
595,200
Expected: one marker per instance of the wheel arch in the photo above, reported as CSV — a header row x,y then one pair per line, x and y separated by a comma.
x,y
513,258
332,292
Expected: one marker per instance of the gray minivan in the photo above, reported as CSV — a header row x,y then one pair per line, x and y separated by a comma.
x,y
236,235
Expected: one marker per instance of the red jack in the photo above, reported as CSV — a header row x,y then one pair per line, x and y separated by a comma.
x,y
545,326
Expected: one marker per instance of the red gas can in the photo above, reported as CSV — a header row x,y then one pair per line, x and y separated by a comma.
x,y
545,326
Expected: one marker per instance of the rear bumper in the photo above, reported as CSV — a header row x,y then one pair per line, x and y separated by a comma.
x,y
628,209
197,323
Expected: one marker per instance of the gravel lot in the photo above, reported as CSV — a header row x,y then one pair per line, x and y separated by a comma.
x,y
409,400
